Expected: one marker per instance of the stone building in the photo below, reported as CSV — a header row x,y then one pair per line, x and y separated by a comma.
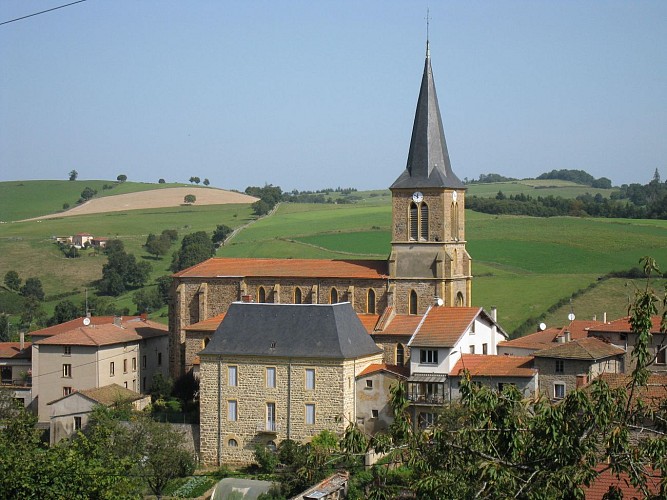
x,y
427,260
279,371
374,385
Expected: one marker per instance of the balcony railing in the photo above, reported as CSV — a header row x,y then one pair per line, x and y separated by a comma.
x,y
17,382
268,427
436,399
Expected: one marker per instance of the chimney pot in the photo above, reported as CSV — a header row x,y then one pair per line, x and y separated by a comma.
x,y
117,320
494,313
22,340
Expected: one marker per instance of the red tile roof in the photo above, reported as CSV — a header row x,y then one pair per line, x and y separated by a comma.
x,y
208,325
107,334
287,268
622,325
400,324
69,325
540,340
369,321
443,326
600,486
589,348
12,350
401,371
652,394
480,365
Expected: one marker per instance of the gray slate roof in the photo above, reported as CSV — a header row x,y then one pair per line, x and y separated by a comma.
x,y
428,160
292,330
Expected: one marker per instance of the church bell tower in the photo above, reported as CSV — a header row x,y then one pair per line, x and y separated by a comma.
x,y
428,258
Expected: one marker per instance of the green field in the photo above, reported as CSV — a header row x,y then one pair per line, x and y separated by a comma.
x,y
522,265
535,188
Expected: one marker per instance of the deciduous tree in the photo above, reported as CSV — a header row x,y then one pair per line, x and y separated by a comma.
x,y
33,288
73,174
189,199
12,280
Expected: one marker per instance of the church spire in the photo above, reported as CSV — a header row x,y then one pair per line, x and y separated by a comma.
x,y
428,160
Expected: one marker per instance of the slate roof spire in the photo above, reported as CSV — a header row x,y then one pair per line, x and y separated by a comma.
x,y
428,160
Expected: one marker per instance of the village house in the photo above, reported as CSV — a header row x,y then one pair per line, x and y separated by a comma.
x,y
548,337
88,353
71,413
279,371
374,386
16,370
79,240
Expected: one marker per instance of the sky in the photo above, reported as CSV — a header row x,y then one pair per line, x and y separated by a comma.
x,y
314,94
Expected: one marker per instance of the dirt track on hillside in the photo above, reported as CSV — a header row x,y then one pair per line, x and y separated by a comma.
x,y
154,198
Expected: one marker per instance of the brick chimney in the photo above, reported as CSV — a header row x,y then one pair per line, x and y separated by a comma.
x,y
246,298
22,340
582,380
144,316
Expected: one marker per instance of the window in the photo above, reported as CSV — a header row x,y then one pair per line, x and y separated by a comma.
x,y
232,411
413,222
485,348
459,300
67,391
67,350
271,417
472,349
369,383
134,385
125,384
428,356
231,376
77,423
454,221
423,236
310,379
125,366
375,413
660,358
560,366
400,354
143,361
112,369
297,295
370,305
333,296
271,445
134,364
205,342
261,298
159,359
413,302
233,443
472,327
67,371
310,414
271,377
559,390
426,419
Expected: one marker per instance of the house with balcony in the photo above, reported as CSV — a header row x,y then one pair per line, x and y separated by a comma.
x,y
441,338
16,370
279,371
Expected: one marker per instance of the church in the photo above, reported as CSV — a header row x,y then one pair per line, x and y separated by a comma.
x,y
428,263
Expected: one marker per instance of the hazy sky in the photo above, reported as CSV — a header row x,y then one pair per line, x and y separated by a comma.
x,y
313,94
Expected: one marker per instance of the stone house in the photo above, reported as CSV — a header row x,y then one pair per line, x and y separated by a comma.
x,y
618,333
570,365
373,394
88,353
71,413
16,370
528,344
495,372
279,371
427,260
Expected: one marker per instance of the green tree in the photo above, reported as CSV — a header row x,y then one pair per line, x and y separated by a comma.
x,y
73,174
4,328
88,193
147,300
33,313
65,310
189,199
164,287
221,233
33,288
195,248
157,245
121,178
172,234
206,182
260,207
161,181
122,271
12,280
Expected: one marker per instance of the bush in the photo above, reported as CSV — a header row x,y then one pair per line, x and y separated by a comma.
x,y
266,458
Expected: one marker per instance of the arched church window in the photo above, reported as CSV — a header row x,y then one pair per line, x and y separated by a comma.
x,y
333,299
400,354
454,221
423,235
370,307
261,295
205,342
413,222
459,300
413,302
297,295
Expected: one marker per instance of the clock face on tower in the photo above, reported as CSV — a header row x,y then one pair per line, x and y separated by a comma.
x,y
417,197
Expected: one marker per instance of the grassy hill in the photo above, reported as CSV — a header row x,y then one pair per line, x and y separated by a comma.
x,y
522,265
535,188
25,199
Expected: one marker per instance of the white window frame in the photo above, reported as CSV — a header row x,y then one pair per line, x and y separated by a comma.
x,y
310,414
232,410
310,379
233,376
67,370
271,377
560,384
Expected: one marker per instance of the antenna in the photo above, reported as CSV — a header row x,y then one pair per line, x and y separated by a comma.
x,y
571,315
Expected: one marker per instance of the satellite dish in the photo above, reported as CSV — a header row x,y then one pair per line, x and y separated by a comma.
x,y
439,302
86,321
570,316
543,326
